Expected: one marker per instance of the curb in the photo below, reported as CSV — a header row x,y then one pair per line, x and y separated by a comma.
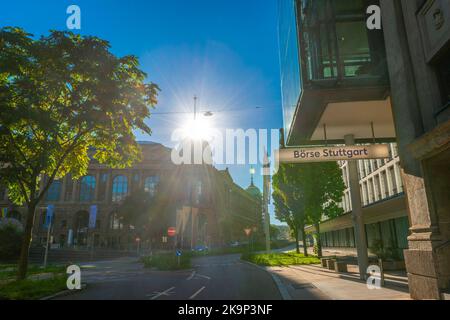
x,y
281,287
63,293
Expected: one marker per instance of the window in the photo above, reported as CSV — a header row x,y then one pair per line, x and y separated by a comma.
x,y
151,184
120,188
87,188
54,191
115,222
443,69
337,43
198,191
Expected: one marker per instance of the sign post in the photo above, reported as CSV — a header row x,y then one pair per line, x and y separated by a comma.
x,y
48,224
178,253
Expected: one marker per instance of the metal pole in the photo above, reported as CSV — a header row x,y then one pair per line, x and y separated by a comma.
x,y
357,217
47,243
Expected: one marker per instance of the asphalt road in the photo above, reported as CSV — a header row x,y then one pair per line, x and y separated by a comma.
x,y
212,278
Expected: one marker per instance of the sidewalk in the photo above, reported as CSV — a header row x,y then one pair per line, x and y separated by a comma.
x,y
312,282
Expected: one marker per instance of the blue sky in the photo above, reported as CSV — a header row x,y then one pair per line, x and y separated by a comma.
x,y
223,51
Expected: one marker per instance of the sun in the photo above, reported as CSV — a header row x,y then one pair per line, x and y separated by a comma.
x,y
197,129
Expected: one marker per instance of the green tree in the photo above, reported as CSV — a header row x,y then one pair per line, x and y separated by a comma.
x,y
288,201
61,96
323,191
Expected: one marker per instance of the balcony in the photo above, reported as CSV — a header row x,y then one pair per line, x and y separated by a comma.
x,y
342,76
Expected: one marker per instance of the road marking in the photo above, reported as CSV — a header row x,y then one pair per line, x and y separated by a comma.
x,y
191,276
157,294
197,293
203,276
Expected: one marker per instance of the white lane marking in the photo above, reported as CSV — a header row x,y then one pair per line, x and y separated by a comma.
x,y
191,276
157,294
203,276
197,293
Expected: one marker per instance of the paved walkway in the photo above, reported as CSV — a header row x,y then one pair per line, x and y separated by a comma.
x,y
313,281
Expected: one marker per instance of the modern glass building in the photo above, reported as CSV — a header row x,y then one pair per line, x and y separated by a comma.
x,y
333,72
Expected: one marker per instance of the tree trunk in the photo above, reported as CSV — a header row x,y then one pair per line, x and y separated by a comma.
x,y
296,241
305,246
319,243
23,262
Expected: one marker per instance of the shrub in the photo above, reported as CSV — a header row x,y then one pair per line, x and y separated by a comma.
x,y
10,242
167,261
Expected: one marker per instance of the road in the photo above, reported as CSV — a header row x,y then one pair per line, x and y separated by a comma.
x,y
212,278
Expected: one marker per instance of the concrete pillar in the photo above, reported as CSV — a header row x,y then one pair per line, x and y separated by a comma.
x,y
382,186
389,182
398,177
357,217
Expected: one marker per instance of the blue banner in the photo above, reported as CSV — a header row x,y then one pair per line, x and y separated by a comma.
x,y
92,216
49,215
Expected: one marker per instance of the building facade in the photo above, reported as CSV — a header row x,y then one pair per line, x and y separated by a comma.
x,y
345,83
383,208
189,198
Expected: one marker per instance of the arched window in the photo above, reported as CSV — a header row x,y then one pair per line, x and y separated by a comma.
x,y
87,188
150,185
54,191
120,188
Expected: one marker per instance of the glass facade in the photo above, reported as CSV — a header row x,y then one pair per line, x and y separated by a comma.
x,y
392,233
87,188
336,42
289,59
120,188
325,44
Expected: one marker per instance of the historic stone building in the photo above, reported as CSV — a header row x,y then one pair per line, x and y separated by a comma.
x,y
199,201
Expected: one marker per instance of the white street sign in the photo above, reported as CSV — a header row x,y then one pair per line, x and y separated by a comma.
x,y
323,154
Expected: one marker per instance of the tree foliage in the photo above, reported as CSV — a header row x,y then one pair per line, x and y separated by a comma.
x,y
61,96
305,193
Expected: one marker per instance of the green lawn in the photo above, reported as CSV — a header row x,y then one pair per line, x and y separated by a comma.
x,y
32,289
279,259
10,271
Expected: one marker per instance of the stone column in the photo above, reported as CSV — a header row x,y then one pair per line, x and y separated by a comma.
x,y
108,187
97,185
63,189
382,186
357,217
412,112
398,178
389,182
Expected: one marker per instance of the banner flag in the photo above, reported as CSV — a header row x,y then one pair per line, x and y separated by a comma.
x,y
49,215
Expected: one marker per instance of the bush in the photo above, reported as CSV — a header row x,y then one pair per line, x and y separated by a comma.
x,y
279,259
10,242
167,261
